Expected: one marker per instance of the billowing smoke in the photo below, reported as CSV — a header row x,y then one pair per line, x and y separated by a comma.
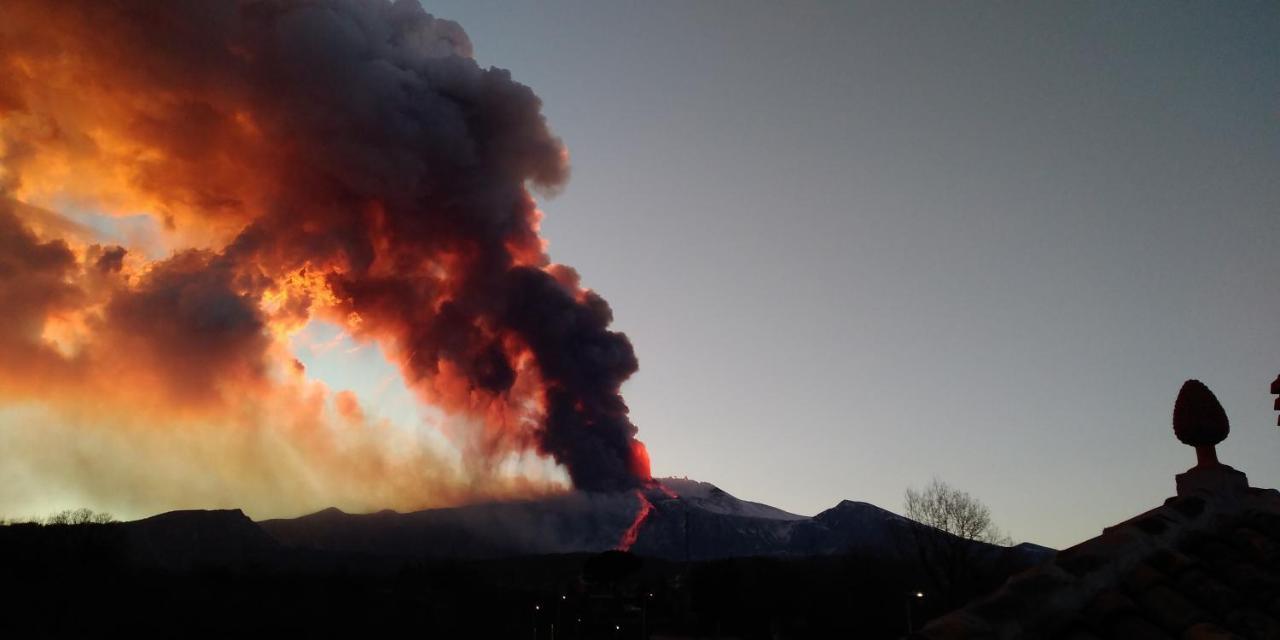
x,y
343,160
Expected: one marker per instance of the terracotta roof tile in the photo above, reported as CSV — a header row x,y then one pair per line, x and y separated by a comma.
x,y
1132,627
1205,565
1143,577
1209,631
1196,568
1207,591
1079,633
1170,610
1252,623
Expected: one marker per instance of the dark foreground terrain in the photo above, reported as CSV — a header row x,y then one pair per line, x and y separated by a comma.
x,y
218,573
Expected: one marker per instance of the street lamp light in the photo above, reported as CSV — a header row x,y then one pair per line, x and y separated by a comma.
x,y
644,616
915,595
559,607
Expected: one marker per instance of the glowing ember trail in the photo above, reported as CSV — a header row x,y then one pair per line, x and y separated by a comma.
x,y
642,514
629,536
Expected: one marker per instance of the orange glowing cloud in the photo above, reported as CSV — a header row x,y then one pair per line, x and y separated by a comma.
x,y
321,159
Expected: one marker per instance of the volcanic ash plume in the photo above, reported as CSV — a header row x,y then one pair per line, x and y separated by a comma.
x,y
333,160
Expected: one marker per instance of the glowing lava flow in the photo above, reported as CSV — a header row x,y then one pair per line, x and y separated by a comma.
x,y
642,514
633,531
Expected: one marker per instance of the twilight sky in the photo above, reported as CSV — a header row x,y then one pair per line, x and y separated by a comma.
x,y
859,245
286,260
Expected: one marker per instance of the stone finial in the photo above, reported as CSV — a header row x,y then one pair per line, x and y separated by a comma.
x,y
1200,421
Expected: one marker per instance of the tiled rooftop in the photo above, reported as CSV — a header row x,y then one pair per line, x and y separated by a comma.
x,y
1205,565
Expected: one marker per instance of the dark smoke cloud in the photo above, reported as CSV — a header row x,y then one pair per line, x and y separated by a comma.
x,y
585,364
190,322
111,260
187,324
33,285
353,140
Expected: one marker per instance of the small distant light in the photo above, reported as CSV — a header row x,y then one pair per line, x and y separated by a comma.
x,y
617,627
537,607
919,594
564,597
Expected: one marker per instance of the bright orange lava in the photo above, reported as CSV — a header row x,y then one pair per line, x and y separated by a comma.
x,y
642,513
633,532
640,461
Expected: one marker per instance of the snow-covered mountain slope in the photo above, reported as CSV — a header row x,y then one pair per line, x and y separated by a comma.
x,y
686,519
710,498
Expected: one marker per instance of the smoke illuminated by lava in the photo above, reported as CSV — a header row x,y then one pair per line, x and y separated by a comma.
x,y
335,160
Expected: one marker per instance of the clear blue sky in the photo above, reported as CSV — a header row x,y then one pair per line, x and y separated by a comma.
x,y
857,245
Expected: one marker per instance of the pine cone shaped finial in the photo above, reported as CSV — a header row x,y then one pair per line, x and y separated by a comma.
x,y
1275,391
1198,417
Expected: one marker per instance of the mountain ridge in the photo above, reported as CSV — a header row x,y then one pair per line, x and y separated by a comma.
x,y
685,520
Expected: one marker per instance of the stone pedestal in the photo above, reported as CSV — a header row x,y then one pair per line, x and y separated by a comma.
x,y
1217,479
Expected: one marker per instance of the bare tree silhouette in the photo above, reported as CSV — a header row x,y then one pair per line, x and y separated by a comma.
x,y
78,516
946,524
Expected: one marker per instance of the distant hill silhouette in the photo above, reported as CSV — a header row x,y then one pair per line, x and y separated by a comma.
x,y
190,540
703,561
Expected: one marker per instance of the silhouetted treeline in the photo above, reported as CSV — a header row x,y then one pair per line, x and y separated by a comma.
x,y
66,516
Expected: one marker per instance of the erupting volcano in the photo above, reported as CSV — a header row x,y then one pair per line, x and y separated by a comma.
x,y
645,508
337,160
